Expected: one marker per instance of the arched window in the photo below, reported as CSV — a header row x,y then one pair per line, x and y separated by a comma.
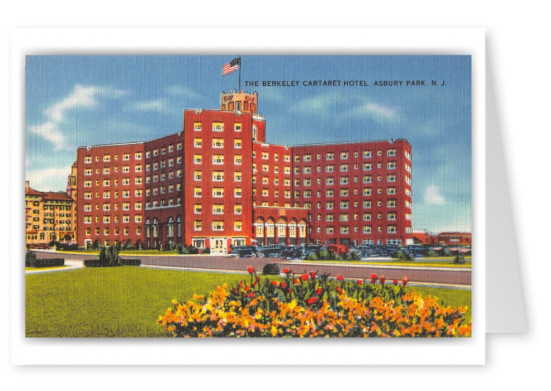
x,y
178,226
170,228
147,228
155,228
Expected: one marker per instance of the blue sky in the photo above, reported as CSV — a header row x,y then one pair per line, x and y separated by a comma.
x,y
87,100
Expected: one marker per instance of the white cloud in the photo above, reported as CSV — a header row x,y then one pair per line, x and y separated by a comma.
x,y
152,105
181,91
433,196
378,112
46,178
81,96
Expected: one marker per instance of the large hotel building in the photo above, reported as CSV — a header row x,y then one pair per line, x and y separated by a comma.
x,y
218,183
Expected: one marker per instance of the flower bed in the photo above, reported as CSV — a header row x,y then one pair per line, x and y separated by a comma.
x,y
309,305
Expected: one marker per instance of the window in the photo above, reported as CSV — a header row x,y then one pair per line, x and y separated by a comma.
x,y
106,158
197,225
198,192
367,204
138,168
391,216
287,158
106,182
391,165
217,225
87,183
330,156
344,167
218,143
106,207
307,170
391,152
196,127
88,196
218,209
237,127
265,155
126,156
237,192
391,229
329,205
344,230
265,180
344,155
218,159
217,127
126,169
138,156
344,205
237,225
391,203
138,206
408,180
87,159
237,143
237,160
218,176
197,175
287,170
343,217
344,192
344,180
197,159
391,178
265,168
367,166
408,204
237,176
330,230
307,158
329,193
197,142
237,209
218,192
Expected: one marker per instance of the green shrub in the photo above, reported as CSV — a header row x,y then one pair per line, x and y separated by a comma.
x,y
270,269
459,259
431,253
44,262
403,256
30,257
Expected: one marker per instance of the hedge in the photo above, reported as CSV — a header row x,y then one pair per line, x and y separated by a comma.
x,y
123,262
45,262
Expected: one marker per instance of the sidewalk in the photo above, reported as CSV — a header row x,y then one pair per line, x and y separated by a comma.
x,y
70,264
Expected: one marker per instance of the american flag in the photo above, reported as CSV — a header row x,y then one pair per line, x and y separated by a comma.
x,y
231,66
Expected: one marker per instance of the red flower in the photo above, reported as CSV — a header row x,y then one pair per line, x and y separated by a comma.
x,y
405,281
373,276
296,281
241,284
304,277
382,280
251,295
274,283
257,278
283,285
289,291
247,288
312,300
286,271
318,291
313,275
340,278
360,282
338,289
395,281
250,269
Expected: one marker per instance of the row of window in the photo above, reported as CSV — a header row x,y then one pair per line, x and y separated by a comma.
x,y
266,169
217,143
163,164
163,189
218,209
107,207
107,157
345,155
366,229
217,126
217,176
218,192
343,217
346,167
163,150
163,203
115,219
266,181
107,194
116,231
217,225
163,177
217,159
266,156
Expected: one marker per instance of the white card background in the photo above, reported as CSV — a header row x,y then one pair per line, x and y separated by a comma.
x,y
342,352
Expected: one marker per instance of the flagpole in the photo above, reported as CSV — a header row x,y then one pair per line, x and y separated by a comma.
x,y
239,73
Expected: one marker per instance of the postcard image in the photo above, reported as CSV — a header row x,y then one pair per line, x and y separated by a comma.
x,y
248,196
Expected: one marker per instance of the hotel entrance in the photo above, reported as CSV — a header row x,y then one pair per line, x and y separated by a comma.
x,y
218,246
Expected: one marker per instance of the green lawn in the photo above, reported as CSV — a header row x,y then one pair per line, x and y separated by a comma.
x,y
126,301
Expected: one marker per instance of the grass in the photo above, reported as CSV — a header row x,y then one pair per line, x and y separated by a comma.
x,y
45,268
126,301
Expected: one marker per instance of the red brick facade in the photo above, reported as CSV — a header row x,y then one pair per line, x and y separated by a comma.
x,y
218,183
